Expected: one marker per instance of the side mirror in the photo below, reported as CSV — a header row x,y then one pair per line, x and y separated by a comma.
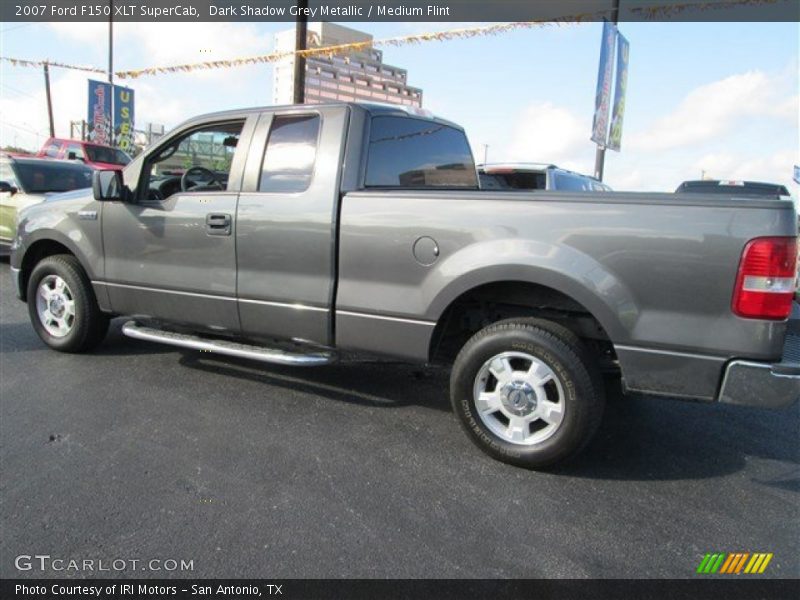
x,y
108,185
7,188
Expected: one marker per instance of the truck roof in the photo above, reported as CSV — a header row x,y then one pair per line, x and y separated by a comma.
x,y
374,108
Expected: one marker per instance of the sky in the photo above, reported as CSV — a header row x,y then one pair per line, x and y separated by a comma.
x,y
719,99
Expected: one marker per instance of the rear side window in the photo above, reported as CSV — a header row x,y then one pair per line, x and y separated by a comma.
x,y
291,152
416,153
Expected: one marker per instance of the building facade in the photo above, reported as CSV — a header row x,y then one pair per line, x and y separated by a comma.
x,y
355,76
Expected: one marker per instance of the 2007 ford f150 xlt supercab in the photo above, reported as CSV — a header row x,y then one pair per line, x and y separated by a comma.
x,y
302,230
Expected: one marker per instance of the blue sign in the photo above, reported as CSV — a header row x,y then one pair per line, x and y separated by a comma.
x,y
602,102
98,115
618,111
123,118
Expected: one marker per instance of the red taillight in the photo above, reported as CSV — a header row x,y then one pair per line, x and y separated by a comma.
x,y
765,284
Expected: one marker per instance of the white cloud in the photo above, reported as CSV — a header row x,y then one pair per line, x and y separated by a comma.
x,y
549,133
166,44
164,99
712,109
24,118
774,167
700,134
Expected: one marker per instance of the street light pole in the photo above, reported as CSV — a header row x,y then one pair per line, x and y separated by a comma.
x,y
300,42
600,155
49,99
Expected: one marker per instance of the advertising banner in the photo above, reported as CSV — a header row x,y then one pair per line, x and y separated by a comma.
x,y
98,117
618,110
602,101
123,118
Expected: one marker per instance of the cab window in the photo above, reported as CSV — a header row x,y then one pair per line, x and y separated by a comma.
x,y
291,152
75,152
199,161
405,152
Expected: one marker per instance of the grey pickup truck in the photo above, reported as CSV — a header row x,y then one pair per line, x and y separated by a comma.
x,y
289,234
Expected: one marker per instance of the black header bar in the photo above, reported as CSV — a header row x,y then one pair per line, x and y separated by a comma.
x,y
396,10
734,588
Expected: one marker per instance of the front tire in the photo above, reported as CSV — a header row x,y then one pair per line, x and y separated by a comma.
x,y
62,305
526,392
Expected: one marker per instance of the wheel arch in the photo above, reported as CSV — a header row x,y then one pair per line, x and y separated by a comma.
x,y
40,248
488,295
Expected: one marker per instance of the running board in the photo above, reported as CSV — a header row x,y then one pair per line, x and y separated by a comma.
x,y
270,355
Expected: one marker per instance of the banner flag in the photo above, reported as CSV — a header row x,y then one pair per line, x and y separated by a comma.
x,y
618,110
123,118
602,101
98,116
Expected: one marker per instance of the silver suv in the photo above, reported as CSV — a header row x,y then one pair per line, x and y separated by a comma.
x,y
536,176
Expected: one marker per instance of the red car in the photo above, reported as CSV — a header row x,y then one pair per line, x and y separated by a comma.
x,y
93,155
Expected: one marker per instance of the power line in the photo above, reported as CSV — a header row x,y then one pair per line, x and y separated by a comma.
x,y
13,89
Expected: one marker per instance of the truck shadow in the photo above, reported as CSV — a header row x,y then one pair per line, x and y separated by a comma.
x,y
640,438
365,382
650,438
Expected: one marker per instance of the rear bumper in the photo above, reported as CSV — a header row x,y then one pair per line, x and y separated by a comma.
x,y
762,384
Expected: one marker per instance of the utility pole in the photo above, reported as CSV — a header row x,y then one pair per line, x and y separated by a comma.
x,y
111,68
600,156
300,41
49,98
485,153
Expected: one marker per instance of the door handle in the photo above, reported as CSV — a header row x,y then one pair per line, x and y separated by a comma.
x,y
218,224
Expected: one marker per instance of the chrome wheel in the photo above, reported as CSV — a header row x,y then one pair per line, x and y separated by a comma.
x,y
519,398
55,306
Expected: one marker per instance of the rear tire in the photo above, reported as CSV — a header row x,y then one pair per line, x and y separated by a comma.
x,y
526,392
62,305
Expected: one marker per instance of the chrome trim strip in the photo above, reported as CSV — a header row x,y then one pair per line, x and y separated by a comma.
x,y
269,355
349,313
669,352
296,306
163,291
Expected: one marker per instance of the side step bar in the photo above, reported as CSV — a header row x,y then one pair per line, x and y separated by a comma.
x,y
270,355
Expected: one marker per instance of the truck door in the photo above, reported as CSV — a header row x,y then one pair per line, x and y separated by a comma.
x,y
171,254
286,224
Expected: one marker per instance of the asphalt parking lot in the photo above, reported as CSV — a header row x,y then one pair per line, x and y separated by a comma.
x,y
142,451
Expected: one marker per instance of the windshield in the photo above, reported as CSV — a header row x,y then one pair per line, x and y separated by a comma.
x,y
56,176
104,154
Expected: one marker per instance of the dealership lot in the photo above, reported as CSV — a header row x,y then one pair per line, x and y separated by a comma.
x,y
140,452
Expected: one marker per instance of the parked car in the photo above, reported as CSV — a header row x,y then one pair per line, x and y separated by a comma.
x,y
733,188
536,176
28,180
362,227
93,155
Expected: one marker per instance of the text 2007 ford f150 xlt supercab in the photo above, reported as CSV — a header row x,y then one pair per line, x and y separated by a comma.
x,y
301,230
